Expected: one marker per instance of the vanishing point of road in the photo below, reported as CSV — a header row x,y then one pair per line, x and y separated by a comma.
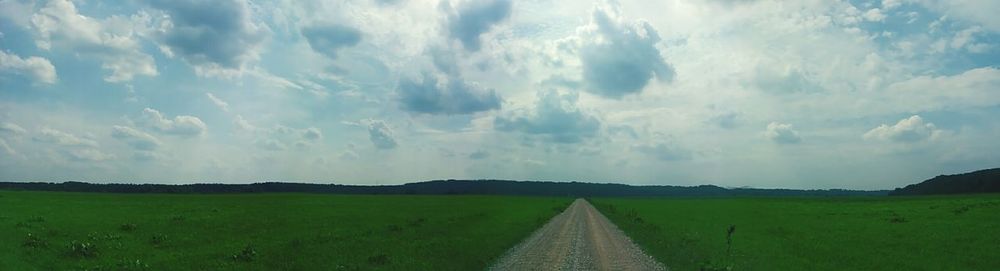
x,y
580,238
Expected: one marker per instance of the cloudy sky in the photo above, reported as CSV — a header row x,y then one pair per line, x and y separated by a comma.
x,y
797,94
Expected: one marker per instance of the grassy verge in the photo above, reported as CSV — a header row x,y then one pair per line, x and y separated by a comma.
x,y
888,233
77,231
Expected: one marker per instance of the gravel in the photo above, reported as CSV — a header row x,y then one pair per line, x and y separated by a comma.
x,y
579,238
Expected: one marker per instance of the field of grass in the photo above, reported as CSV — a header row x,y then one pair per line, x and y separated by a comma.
x,y
76,231
889,233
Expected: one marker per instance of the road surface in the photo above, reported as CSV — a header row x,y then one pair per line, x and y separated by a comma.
x,y
580,238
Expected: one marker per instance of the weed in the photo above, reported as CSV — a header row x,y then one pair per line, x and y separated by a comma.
x,y
710,266
158,239
395,228
177,218
82,249
106,237
33,241
557,209
126,265
961,210
127,227
729,239
380,259
897,219
417,222
36,219
246,255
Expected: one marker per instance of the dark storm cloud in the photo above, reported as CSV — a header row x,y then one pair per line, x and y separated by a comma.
x,y
476,17
453,97
328,39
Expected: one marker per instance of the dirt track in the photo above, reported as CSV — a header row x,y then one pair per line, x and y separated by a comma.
x,y
580,238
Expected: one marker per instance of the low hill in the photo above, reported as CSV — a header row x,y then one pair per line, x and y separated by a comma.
x,y
442,187
983,181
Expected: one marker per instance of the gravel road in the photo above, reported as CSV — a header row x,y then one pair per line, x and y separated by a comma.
x,y
580,238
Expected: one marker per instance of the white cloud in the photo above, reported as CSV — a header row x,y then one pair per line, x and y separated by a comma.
x,y
179,125
243,124
910,129
782,133
381,135
664,151
890,4
475,17
137,139
874,15
216,37
618,56
312,134
38,69
218,102
555,116
61,138
271,144
327,39
88,155
966,39
6,148
452,96
12,128
982,12
112,41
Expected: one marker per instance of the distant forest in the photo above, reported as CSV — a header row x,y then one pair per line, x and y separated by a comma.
x,y
443,187
983,181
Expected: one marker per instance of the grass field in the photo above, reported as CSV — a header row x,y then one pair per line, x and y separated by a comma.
x,y
75,231
904,233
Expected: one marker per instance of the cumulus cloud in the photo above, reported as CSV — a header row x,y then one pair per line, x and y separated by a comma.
x,y
312,134
271,144
782,133
381,135
475,17
910,129
218,102
211,35
452,96
554,116
37,69
874,15
137,139
620,57
179,125
664,151
327,39
61,138
112,41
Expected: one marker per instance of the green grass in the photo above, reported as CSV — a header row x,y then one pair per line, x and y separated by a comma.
x,y
77,231
891,233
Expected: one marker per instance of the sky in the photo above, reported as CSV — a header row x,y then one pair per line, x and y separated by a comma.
x,y
791,94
